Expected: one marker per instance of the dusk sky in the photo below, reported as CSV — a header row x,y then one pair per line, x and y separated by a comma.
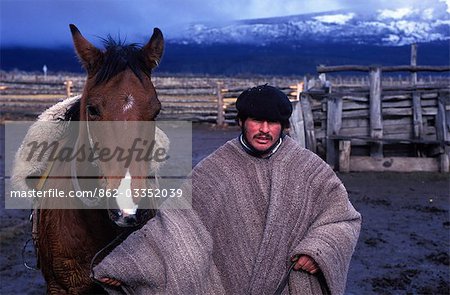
x,y
45,22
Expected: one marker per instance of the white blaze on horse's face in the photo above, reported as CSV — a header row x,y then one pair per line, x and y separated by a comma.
x,y
124,197
129,102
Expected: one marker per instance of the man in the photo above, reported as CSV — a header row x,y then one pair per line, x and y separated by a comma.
x,y
259,203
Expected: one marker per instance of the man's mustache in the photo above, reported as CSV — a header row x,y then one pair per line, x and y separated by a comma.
x,y
262,135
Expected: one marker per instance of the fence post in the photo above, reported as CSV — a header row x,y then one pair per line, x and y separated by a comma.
x,y
68,84
417,108
297,129
376,125
344,155
334,123
414,63
220,109
442,133
310,137
299,90
417,115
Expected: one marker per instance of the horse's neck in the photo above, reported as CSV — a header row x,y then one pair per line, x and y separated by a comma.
x,y
62,177
96,220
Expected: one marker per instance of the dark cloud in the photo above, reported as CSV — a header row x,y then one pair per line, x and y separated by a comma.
x,y
45,22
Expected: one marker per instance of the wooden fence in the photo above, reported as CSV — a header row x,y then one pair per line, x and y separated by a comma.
x,y
356,123
214,102
376,128
197,99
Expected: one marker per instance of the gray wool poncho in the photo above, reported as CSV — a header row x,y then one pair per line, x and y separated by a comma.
x,y
249,217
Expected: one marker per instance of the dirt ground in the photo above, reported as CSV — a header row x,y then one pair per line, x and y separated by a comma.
x,y
403,246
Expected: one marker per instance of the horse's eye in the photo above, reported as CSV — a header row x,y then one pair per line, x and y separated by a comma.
x,y
93,111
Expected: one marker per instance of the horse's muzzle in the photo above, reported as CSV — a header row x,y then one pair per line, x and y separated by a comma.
x,y
125,219
122,218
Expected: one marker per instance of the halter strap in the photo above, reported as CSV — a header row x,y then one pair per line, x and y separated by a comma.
x,y
91,141
90,202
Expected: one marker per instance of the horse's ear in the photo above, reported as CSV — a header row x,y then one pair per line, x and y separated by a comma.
x,y
154,49
89,55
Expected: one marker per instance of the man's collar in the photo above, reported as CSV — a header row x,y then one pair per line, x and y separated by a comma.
x,y
258,154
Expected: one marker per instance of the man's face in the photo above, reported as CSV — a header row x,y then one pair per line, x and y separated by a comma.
x,y
261,135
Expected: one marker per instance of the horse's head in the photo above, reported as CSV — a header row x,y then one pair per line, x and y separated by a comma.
x,y
119,89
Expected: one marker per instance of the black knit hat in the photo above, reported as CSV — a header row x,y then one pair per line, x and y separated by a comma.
x,y
264,102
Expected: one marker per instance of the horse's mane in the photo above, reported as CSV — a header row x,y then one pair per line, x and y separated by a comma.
x,y
120,56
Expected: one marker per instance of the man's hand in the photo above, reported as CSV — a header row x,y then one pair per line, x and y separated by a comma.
x,y
305,263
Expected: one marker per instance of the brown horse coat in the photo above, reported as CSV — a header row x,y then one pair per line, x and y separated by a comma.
x,y
249,217
52,252
23,168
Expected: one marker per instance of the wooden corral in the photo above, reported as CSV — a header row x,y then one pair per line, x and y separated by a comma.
x,y
378,128
372,122
188,98
201,99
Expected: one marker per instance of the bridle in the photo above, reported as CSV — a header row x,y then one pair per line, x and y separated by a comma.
x,y
89,202
91,141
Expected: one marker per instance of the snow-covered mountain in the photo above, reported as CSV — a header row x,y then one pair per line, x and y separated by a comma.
x,y
397,27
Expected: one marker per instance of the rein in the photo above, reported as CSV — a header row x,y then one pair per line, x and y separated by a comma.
x,y
284,281
34,219
114,242
34,215
89,202
91,141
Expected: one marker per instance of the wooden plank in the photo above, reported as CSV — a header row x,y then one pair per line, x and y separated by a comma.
x,y
395,164
364,122
396,97
442,131
428,102
444,163
220,109
363,132
334,123
352,123
355,114
385,140
376,125
398,104
189,108
429,95
399,131
399,136
447,116
310,137
183,100
445,160
348,105
358,68
417,116
297,129
408,111
406,129
414,63
334,108
390,90
344,155
355,131
356,98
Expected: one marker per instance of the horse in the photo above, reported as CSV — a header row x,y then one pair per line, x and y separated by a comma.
x,y
118,88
